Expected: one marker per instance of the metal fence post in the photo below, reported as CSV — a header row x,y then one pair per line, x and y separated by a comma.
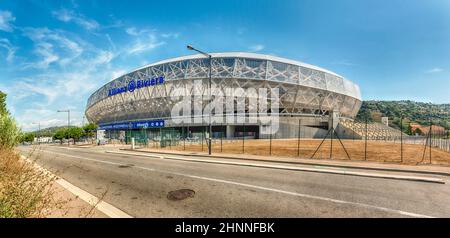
x,y
270,140
331,137
401,138
447,138
203,132
160,137
299,130
365,142
431,134
243,138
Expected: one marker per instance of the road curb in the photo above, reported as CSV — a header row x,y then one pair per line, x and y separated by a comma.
x,y
318,170
92,200
303,163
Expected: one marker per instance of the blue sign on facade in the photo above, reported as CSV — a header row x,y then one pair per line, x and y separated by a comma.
x,y
133,125
134,84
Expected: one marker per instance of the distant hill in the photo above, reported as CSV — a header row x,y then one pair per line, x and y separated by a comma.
x,y
49,131
417,112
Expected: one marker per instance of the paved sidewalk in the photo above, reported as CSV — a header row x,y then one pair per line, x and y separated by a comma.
x,y
370,165
66,203
72,206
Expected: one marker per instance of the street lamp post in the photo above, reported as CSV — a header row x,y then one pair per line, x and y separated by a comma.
x,y
209,92
39,131
68,123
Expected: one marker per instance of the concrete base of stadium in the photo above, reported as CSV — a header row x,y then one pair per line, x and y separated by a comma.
x,y
283,127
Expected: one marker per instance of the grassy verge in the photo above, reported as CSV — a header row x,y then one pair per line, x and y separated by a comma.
x,y
24,190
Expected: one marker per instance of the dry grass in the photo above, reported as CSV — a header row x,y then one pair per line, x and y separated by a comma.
x,y
24,190
29,192
378,151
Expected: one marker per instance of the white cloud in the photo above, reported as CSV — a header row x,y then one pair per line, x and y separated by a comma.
x,y
111,42
133,31
146,39
6,18
170,35
70,16
10,49
45,51
67,68
256,48
435,70
145,44
117,73
30,118
56,49
37,88
140,47
52,46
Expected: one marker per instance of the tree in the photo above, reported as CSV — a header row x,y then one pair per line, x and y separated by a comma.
x,y
90,129
418,131
60,134
75,133
409,130
9,132
3,109
27,137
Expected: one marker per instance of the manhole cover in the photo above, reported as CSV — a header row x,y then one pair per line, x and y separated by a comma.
x,y
180,194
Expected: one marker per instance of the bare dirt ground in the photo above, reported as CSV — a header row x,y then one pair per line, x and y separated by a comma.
x,y
377,151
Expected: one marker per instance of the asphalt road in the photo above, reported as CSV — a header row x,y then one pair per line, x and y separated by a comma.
x,y
139,186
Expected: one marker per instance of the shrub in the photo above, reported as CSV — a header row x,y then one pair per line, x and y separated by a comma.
x,y
27,137
60,134
9,132
90,130
24,190
75,133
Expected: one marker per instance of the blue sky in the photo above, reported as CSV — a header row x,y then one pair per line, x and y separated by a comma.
x,y
54,54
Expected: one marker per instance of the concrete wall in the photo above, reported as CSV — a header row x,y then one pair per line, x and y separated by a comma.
x,y
311,127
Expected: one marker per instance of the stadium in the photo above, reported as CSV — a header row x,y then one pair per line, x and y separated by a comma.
x,y
140,104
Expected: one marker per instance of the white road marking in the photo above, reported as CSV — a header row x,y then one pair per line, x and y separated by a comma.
x,y
102,206
297,168
263,188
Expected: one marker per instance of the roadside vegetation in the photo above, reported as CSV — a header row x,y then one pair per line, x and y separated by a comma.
x,y
27,137
76,133
25,191
412,112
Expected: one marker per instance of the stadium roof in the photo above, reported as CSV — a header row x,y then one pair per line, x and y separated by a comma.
x,y
240,55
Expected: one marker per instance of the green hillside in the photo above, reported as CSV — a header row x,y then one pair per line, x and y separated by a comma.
x,y
50,131
417,112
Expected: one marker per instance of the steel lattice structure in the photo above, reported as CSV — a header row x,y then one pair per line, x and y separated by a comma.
x,y
304,89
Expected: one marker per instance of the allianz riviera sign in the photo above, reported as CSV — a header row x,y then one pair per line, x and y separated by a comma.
x,y
133,125
136,84
133,85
